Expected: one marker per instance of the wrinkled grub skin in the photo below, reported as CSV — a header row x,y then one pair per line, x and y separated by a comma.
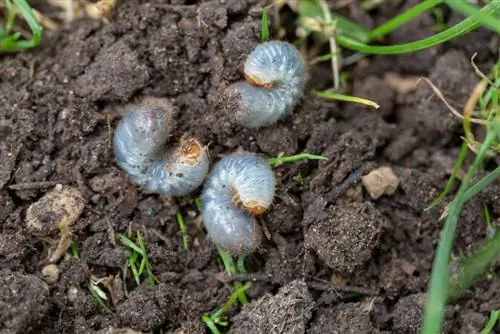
x,y
61,101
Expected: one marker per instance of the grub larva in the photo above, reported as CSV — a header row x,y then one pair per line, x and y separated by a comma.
x,y
140,149
275,77
239,188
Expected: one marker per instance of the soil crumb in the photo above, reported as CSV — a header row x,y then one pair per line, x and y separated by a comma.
x,y
286,312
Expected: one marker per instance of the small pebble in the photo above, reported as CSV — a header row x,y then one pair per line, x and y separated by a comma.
x,y
50,273
381,181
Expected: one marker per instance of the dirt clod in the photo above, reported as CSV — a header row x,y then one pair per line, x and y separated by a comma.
x,y
23,301
113,330
13,249
63,206
149,307
381,181
352,318
407,314
344,236
286,312
115,74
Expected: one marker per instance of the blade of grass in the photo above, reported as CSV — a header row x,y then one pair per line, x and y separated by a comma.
x,y
279,160
11,16
491,322
135,273
94,291
129,243
399,20
182,227
457,30
481,184
490,229
453,176
230,267
145,260
215,318
470,10
207,320
12,43
474,267
232,299
438,287
197,204
74,251
264,28
346,98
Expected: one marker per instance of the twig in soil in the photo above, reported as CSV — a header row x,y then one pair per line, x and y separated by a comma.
x,y
323,285
450,107
252,277
349,181
34,185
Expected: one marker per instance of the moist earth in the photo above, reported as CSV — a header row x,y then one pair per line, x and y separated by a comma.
x,y
335,260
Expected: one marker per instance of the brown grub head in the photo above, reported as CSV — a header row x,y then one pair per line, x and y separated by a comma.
x,y
190,150
251,207
256,82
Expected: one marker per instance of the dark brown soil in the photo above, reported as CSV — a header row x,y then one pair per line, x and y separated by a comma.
x,y
336,261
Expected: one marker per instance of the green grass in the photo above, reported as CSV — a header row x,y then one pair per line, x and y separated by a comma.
x,y
99,296
216,319
439,284
342,32
353,36
491,322
444,285
74,251
346,98
264,30
280,159
182,227
138,261
10,40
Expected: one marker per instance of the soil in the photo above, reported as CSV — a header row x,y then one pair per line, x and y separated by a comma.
x,y
336,261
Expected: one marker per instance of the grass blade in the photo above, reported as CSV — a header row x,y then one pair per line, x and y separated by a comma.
x,y
264,28
491,322
399,20
438,287
129,243
346,98
182,227
474,267
453,176
457,30
472,11
279,160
